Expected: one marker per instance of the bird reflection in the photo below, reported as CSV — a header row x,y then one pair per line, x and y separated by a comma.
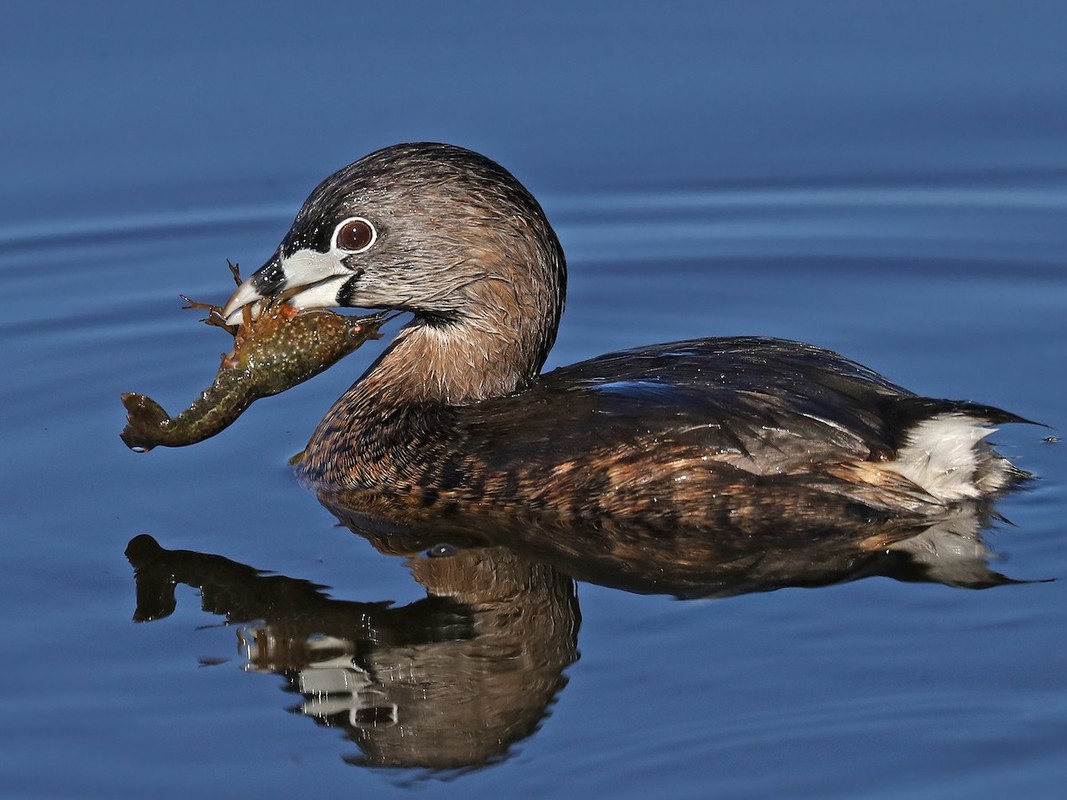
x,y
690,561
454,680
448,682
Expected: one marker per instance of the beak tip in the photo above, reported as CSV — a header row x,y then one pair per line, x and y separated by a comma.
x,y
244,295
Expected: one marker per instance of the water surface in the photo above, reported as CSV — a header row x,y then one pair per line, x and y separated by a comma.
x,y
888,185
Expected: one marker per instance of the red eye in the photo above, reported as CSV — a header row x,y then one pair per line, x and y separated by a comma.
x,y
355,235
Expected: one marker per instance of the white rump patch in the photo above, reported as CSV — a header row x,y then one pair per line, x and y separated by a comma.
x,y
945,456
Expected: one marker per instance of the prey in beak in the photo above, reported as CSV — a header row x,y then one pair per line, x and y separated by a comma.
x,y
305,279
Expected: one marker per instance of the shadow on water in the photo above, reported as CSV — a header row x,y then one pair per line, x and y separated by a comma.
x,y
453,681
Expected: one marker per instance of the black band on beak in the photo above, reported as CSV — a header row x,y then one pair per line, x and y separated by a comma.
x,y
269,279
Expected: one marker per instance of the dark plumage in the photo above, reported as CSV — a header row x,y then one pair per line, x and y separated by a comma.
x,y
738,431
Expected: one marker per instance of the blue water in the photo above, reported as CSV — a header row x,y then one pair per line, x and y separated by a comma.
x,y
884,179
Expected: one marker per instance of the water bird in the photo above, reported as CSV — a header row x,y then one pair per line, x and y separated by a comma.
x,y
743,432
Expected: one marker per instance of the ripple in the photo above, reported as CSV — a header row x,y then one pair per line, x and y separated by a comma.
x,y
46,234
980,218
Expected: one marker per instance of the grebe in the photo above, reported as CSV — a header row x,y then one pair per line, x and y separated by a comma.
x,y
707,432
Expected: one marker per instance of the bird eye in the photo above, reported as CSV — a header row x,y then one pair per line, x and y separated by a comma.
x,y
354,235
442,550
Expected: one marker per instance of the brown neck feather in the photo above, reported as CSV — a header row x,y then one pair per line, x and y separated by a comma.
x,y
505,300
446,363
493,346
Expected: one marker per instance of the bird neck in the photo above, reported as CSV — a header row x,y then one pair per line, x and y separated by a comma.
x,y
490,340
449,363
493,338
391,423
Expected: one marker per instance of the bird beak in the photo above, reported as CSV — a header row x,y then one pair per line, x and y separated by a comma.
x,y
246,294
306,279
